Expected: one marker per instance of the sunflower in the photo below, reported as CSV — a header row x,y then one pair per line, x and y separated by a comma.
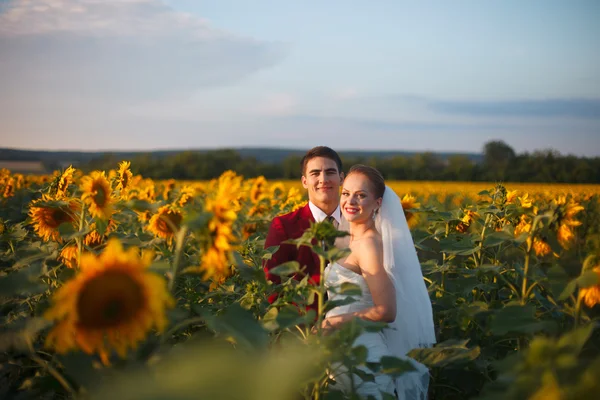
x,y
511,195
541,247
277,190
144,216
169,186
111,304
215,264
165,222
124,176
591,295
409,202
258,189
526,202
294,199
47,216
466,220
9,188
65,179
523,226
68,256
94,238
97,194
566,220
186,196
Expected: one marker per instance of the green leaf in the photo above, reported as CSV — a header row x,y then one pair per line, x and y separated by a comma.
x,y
80,367
289,316
101,225
490,268
349,289
395,366
587,279
160,267
286,268
66,229
359,353
576,339
23,281
475,308
269,320
239,325
558,282
443,354
364,375
568,290
331,304
197,221
252,274
459,245
516,318
269,251
497,238
17,337
141,205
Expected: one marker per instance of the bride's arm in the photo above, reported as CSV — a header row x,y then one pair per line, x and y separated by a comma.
x,y
382,289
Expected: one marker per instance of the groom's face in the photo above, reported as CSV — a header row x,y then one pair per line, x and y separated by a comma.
x,y
322,179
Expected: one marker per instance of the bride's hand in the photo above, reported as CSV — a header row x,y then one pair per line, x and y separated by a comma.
x,y
326,327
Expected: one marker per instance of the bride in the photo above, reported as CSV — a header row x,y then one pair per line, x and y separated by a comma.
x,y
383,262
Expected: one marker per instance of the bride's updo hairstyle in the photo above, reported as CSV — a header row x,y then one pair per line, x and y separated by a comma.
x,y
373,175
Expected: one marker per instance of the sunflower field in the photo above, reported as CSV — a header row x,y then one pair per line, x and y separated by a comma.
x,y
116,286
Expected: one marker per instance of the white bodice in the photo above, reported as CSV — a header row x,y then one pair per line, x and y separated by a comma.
x,y
335,276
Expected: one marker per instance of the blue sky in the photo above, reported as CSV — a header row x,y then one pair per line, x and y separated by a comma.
x,y
405,75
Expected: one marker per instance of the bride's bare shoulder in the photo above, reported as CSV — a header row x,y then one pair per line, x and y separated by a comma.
x,y
371,244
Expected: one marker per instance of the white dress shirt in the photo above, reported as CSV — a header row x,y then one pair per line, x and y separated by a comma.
x,y
319,215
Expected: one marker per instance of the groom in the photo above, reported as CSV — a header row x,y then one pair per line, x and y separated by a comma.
x,y
322,176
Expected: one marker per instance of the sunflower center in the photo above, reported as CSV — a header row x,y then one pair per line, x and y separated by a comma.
x,y
109,300
57,217
100,195
124,180
172,218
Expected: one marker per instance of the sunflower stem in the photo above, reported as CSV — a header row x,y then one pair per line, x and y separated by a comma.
x,y
180,238
524,291
79,239
578,310
51,370
320,296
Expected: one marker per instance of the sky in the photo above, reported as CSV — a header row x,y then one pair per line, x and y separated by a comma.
x,y
443,76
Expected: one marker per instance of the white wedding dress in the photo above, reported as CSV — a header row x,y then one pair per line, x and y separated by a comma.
x,y
413,326
409,385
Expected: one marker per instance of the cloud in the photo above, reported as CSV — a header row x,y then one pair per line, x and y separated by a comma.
x,y
96,57
274,104
405,126
576,108
145,18
346,94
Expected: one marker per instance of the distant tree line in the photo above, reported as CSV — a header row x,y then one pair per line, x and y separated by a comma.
x,y
499,163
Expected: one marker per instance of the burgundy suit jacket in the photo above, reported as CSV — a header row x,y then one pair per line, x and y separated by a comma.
x,y
291,226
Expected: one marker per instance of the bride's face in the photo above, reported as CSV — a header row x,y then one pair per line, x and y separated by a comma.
x,y
358,202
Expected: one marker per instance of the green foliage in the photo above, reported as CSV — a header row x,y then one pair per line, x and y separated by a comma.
x,y
510,323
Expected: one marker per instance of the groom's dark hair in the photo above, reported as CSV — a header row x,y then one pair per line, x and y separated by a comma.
x,y
321,151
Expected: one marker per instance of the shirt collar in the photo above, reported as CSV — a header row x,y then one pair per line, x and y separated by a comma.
x,y
319,215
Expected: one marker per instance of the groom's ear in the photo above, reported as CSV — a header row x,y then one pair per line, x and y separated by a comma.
x,y
342,176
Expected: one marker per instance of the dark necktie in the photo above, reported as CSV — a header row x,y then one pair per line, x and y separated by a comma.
x,y
332,220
